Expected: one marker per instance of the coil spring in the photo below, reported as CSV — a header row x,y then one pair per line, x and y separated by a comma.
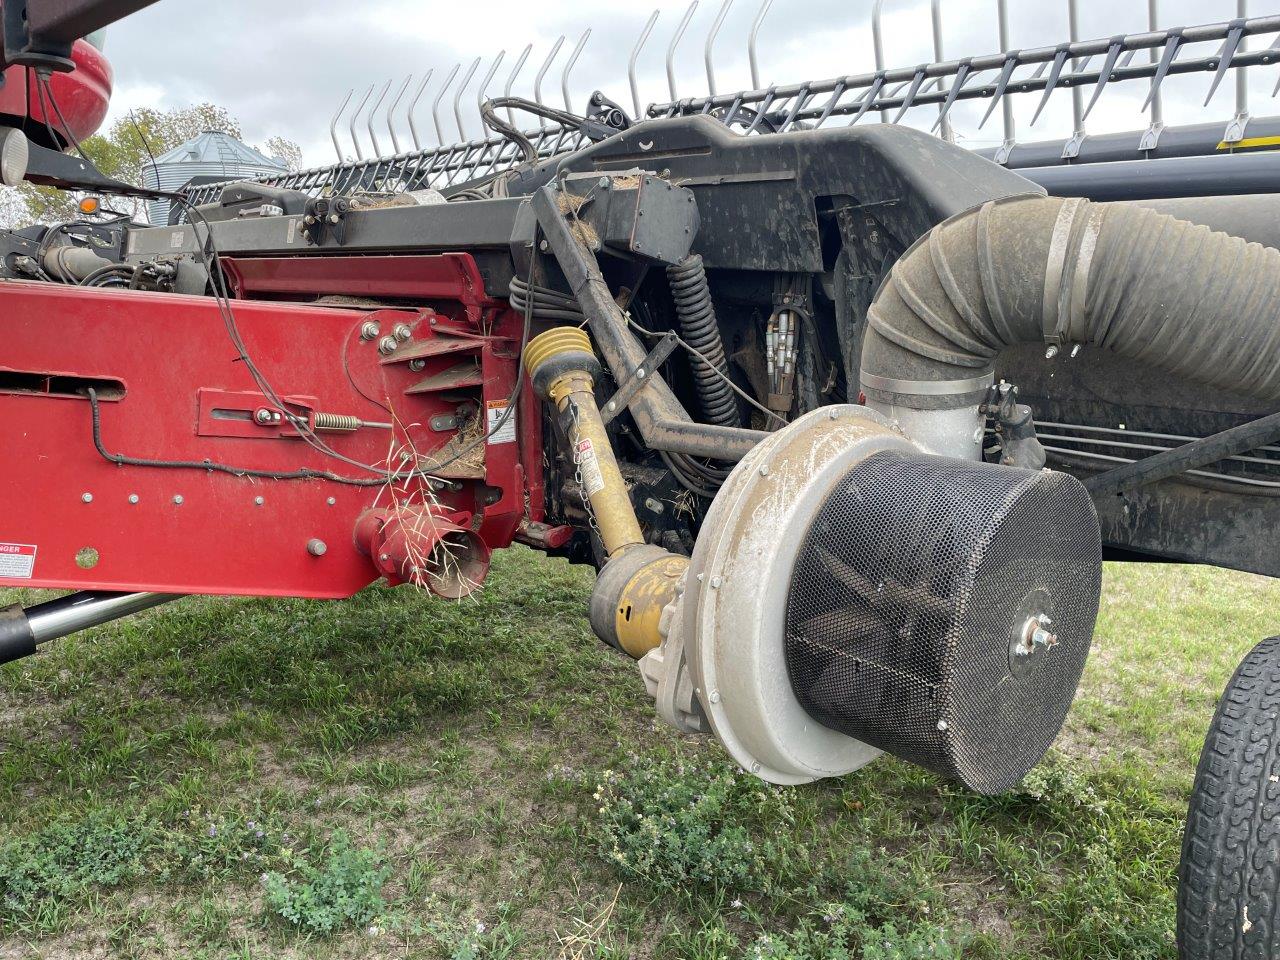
x,y
698,326
334,422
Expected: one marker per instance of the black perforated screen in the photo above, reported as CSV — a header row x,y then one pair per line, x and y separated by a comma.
x,y
908,605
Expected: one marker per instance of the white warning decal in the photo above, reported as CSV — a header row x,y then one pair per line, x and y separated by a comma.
x,y
17,561
589,468
500,432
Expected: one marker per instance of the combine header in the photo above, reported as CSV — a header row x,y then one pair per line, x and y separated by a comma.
x,y
846,415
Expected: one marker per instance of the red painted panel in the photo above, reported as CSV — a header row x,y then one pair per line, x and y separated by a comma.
x,y
198,531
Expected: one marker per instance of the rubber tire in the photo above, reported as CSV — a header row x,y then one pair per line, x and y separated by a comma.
x,y
1231,847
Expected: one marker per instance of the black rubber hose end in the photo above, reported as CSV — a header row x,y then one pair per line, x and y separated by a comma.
x,y
16,639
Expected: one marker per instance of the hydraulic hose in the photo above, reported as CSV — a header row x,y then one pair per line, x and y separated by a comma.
x,y
1065,272
700,329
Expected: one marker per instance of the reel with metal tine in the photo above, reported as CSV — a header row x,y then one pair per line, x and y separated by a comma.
x,y
391,110
377,147
751,43
413,105
333,124
542,72
354,117
484,86
457,98
709,49
524,55
1236,128
671,50
635,55
435,106
568,68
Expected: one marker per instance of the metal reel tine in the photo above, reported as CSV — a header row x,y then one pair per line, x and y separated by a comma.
x,y
542,72
709,48
1059,59
413,105
457,98
1171,47
671,50
391,110
333,124
751,43
635,56
1002,85
377,147
868,98
506,92
1104,76
435,105
484,86
568,68
962,77
1228,52
354,117
916,82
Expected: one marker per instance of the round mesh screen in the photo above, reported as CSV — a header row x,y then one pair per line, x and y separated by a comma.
x,y
942,610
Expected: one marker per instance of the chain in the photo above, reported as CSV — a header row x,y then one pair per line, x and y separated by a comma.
x,y
574,435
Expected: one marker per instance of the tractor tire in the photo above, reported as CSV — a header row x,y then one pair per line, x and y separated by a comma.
x,y
1229,879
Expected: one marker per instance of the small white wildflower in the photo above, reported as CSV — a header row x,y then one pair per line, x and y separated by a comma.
x,y
737,904
480,928
373,930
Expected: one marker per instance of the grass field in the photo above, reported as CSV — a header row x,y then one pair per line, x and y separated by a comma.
x,y
396,776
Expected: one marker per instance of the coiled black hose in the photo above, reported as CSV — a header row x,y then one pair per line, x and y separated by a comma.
x,y
699,327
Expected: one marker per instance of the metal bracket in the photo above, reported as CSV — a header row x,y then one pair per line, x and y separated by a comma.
x,y
1235,129
639,377
1151,137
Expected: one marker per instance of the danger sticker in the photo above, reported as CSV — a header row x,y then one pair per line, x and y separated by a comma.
x,y
500,431
17,561
589,468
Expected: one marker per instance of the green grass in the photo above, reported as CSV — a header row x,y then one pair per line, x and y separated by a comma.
x,y
397,776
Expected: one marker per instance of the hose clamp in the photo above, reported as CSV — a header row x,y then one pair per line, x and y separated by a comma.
x,y
925,388
1066,279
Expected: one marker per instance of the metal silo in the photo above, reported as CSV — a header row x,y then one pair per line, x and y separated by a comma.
x,y
212,154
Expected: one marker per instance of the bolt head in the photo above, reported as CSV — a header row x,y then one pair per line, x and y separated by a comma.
x,y
87,497
177,499
417,366
715,696
369,330
331,501
716,582
134,498
764,469
259,500
402,332
1051,353
387,346
317,547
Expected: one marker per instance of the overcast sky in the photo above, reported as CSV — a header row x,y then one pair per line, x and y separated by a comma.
x,y
283,68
